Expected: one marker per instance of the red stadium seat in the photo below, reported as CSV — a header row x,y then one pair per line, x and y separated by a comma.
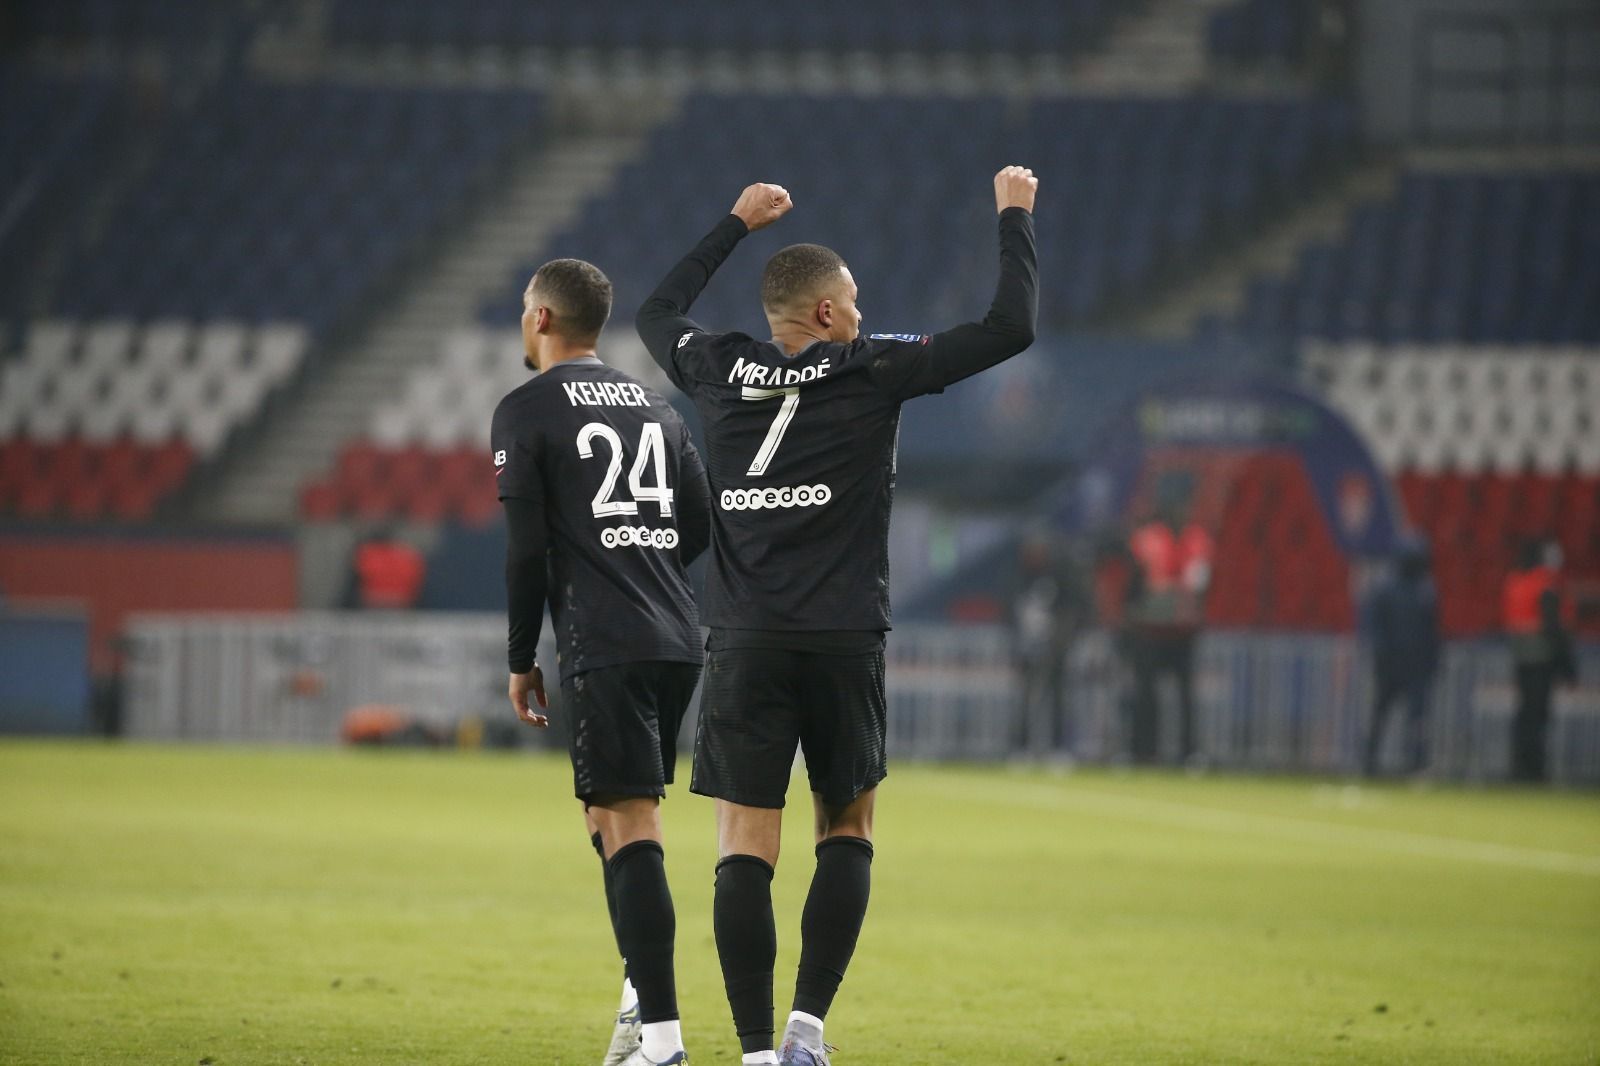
x,y
319,502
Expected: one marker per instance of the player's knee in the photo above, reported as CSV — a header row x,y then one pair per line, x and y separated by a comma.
x,y
853,819
624,820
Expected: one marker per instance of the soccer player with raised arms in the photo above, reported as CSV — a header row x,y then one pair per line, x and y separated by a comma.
x,y
800,435
605,501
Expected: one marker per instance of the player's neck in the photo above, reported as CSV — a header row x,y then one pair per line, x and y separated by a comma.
x,y
555,354
793,337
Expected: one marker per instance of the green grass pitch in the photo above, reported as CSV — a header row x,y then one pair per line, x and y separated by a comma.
x,y
230,906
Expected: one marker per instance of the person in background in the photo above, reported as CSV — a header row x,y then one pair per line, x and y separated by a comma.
x,y
388,573
1402,622
1541,653
1049,609
1172,570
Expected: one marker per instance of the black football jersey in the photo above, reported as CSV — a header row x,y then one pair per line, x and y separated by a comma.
x,y
611,466
801,447
801,453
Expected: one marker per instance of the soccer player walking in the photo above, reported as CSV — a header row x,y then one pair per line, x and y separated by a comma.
x,y
606,502
800,437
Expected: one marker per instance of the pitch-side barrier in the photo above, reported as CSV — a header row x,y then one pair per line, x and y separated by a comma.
x,y
1289,702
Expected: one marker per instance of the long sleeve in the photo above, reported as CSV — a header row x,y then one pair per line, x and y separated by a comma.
x,y
913,369
664,317
694,504
526,581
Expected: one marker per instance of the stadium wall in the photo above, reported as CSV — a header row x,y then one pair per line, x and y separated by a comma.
x,y
114,575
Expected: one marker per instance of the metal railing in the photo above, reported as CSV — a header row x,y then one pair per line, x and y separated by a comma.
x,y
1264,701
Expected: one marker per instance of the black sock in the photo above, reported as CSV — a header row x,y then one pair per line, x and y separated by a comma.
x,y
747,944
611,897
831,921
646,927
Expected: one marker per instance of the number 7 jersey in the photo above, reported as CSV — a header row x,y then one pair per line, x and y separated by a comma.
x,y
801,460
610,465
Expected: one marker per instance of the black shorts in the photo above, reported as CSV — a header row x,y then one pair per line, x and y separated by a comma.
x,y
760,702
625,720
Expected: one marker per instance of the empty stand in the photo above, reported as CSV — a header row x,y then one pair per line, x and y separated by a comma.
x,y
1024,27
1277,563
1136,185
1434,408
290,202
107,419
1253,32
1473,257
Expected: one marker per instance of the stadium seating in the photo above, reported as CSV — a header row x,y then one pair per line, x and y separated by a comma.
x,y
1251,32
1461,407
1135,185
1475,522
1476,257
446,404
1489,446
1277,565
424,455
56,135
1023,27
289,202
106,420
1142,184
423,485
173,23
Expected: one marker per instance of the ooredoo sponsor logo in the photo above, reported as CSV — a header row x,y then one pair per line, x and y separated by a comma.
x,y
638,537
786,496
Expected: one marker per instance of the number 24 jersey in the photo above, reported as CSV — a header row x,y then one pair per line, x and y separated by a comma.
x,y
611,465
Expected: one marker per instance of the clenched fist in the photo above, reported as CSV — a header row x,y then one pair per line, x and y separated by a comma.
x,y
1014,187
762,204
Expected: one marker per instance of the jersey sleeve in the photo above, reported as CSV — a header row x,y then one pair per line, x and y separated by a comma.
x,y
663,320
526,581
694,500
516,460
909,365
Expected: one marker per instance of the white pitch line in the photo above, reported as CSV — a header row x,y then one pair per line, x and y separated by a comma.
x,y
1302,830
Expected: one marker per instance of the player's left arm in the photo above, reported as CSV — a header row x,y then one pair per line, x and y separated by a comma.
x,y
694,502
914,368
663,319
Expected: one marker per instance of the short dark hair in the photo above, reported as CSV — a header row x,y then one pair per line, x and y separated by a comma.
x,y
800,271
578,295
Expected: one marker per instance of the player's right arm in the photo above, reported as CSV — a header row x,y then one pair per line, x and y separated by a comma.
x,y
663,320
914,368
694,502
521,491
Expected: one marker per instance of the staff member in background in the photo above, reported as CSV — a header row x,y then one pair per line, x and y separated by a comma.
x,y
387,573
1541,650
1172,557
1402,621
1050,606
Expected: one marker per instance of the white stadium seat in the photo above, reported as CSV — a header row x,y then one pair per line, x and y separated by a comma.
x,y
51,341
165,344
279,351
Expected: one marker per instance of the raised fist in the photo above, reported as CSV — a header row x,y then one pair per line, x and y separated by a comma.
x,y
762,204
1014,187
